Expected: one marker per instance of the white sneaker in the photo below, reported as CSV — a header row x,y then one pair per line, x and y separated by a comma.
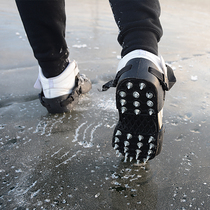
x,y
61,93
141,81
60,85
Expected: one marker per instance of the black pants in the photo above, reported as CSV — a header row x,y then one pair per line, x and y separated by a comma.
x,y
45,21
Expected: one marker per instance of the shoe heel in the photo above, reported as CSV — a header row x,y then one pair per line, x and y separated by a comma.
x,y
137,101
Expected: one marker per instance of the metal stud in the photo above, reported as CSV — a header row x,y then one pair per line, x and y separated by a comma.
x,y
122,94
126,143
138,162
137,153
116,140
131,158
126,157
150,152
139,145
118,133
123,102
129,85
123,110
137,111
136,94
117,152
151,138
137,156
149,95
146,159
136,103
129,136
125,149
151,112
151,146
140,137
150,103
116,146
142,86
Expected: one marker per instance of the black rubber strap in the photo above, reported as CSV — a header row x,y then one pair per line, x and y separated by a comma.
x,y
113,83
166,82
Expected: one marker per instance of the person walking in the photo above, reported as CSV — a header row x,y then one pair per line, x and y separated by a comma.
x,y
141,79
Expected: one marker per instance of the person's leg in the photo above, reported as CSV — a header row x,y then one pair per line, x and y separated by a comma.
x,y
141,80
61,84
139,25
44,22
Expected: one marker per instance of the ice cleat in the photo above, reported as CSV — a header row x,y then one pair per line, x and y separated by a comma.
x,y
140,94
60,94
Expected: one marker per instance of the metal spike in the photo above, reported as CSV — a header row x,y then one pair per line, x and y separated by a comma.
x,y
123,110
120,155
137,111
146,159
136,94
139,145
151,112
126,143
151,146
116,140
149,95
140,137
151,138
129,136
116,146
150,152
123,102
125,149
138,162
142,86
136,103
118,133
150,103
137,153
126,157
122,94
129,85
117,152
131,158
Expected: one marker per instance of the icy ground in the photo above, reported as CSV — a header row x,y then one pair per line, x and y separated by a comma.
x,y
66,161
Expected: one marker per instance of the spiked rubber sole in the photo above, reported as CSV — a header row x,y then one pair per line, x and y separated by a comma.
x,y
139,132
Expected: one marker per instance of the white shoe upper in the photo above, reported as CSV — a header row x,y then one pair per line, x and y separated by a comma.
x,y
158,61
60,85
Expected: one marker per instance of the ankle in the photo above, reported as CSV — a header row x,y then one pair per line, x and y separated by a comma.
x,y
60,85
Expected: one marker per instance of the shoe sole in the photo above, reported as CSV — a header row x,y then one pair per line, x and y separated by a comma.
x,y
139,133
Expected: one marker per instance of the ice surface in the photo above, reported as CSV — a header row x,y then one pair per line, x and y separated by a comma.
x,y
66,161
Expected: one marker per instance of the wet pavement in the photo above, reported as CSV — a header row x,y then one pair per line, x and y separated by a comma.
x,y
66,161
